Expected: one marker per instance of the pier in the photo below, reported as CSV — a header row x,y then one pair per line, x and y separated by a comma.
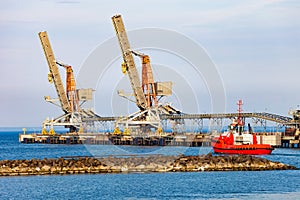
x,y
185,139
190,139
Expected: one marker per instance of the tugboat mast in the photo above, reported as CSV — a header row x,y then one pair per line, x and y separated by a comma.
x,y
240,122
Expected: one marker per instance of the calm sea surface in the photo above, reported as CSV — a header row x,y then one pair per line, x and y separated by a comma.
x,y
198,185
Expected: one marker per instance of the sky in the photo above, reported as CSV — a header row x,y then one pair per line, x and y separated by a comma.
x,y
254,45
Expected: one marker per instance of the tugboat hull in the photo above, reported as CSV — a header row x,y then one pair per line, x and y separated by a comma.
x,y
258,149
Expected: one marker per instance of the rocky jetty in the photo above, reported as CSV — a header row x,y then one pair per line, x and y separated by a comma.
x,y
153,163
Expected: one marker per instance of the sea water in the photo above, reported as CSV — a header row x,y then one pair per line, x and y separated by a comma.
x,y
192,185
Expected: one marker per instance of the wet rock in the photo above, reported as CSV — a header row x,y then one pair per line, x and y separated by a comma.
x,y
140,167
45,168
53,170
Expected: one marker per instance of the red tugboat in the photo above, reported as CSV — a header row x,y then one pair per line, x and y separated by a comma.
x,y
237,141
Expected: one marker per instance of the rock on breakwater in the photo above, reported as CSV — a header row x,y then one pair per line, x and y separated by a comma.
x,y
153,163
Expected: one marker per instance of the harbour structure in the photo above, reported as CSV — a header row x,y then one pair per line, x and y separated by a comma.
x,y
145,93
147,126
69,100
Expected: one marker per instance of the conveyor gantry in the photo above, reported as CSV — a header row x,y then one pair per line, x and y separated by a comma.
x,y
266,116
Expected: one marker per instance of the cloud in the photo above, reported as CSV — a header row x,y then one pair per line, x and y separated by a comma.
x,y
68,2
243,8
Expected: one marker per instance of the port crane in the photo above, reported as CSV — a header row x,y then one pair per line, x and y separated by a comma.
x,y
146,93
69,98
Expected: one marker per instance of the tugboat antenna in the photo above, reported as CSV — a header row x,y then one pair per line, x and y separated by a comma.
x,y
240,121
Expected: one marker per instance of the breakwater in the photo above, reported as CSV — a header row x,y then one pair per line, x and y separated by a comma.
x,y
156,163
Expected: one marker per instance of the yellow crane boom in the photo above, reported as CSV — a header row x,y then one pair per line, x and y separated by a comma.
x,y
54,72
129,62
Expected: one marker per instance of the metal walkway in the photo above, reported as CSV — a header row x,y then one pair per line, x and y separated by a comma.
x,y
265,116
